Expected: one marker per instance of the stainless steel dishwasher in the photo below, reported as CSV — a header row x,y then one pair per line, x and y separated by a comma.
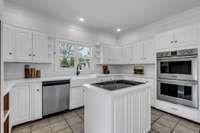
x,y
55,96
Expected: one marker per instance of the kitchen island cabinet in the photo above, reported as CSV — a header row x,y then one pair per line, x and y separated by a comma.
x,y
121,111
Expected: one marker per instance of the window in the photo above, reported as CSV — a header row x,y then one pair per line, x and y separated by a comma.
x,y
69,54
84,56
65,55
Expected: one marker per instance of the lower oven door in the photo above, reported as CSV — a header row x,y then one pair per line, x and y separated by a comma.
x,y
179,92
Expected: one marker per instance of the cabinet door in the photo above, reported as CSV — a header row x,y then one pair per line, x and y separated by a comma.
x,y
8,50
129,55
116,55
164,40
186,36
149,51
35,101
138,52
107,55
40,48
76,97
23,44
19,107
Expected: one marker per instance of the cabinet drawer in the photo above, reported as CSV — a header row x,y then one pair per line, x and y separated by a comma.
x,y
182,111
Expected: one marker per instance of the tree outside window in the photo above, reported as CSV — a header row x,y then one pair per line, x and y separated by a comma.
x,y
66,55
84,56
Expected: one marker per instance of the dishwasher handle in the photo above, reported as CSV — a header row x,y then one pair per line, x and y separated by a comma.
x,y
58,82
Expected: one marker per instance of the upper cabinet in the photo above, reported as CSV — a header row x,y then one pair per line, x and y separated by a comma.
x,y
182,37
40,47
8,48
22,40
149,55
142,52
22,45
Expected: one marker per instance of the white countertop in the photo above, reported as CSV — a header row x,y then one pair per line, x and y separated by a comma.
x,y
10,83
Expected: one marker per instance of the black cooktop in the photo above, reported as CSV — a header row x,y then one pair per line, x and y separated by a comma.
x,y
116,84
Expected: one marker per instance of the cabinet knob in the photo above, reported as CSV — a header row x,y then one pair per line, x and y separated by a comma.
x,y
10,53
176,41
29,54
33,54
172,42
38,90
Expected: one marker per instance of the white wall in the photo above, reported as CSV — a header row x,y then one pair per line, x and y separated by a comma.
x,y
185,18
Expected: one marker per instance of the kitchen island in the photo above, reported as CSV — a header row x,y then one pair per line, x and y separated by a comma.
x,y
117,106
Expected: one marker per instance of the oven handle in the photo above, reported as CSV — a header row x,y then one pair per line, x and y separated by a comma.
x,y
179,82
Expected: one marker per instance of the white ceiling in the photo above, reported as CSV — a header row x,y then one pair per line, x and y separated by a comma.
x,y
107,15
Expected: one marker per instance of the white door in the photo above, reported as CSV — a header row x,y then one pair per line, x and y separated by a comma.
x,y
138,52
8,49
76,97
19,104
149,51
40,48
35,101
23,44
186,36
164,40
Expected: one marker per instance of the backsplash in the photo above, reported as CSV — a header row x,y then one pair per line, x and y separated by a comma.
x,y
16,70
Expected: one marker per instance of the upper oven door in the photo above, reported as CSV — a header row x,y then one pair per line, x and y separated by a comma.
x,y
183,68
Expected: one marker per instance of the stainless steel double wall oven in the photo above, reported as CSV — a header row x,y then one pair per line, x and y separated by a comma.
x,y
177,77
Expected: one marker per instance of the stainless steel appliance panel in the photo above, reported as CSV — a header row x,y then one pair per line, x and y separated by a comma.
x,y
182,68
179,92
55,97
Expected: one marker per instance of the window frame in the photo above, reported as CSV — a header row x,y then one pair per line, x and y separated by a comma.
x,y
76,57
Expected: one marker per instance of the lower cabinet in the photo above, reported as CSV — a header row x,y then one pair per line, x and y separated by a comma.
x,y
35,101
76,97
25,103
19,104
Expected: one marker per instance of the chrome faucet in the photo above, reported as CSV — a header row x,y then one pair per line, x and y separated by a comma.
x,y
78,68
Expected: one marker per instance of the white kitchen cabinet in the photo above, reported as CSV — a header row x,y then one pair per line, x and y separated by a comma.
x,y
138,52
19,104
181,37
107,55
164,40
20,45
76,97
8,47
25,103
149,51
35,101
40,47
22,40
186,36
127,55
116,55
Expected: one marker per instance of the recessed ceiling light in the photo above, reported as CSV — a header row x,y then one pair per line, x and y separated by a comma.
x,y
81,19
118,30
